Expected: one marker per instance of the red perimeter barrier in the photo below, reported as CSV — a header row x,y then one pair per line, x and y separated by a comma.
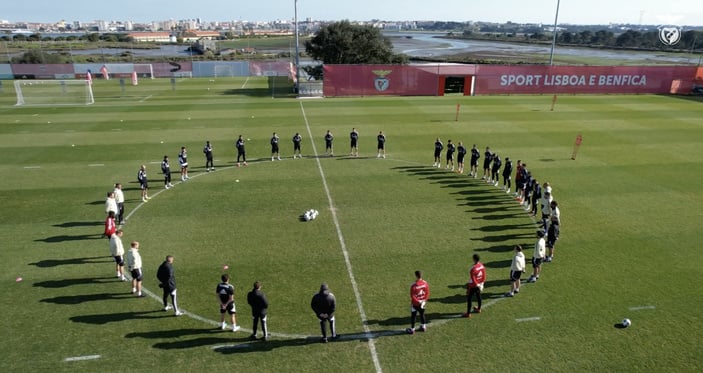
x,y
499,79
367,80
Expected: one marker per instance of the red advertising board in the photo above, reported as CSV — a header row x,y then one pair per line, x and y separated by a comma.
x,y
501,79
367,80
42,71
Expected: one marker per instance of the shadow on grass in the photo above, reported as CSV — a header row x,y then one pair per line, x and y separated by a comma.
x,y
55,284
117,317
176,333
65,237
498,264
502,237
48,263
78,299
502,248
496,216
96,203
499,228
72,224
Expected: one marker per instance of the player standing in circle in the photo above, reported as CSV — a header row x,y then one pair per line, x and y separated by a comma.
x,y
166,170
507,172
134,264
167,278
183,162
274,147
324,304
297,139
111,203
553,231
110,226
495,169
381,145
517,267
209,163
460,154
450,154
487,158
225,295
419,294
117,252
259,308
438,147
475,155
354,140
328,144
538,257
477,277
119,198
241,152
143,183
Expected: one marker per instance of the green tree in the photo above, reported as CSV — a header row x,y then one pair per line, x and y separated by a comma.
x,y
38,57
344,43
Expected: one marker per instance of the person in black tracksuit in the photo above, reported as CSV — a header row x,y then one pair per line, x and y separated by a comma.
x,y
259,308
167,276
324,304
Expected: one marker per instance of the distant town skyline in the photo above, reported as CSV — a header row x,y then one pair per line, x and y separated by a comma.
x,y
593,12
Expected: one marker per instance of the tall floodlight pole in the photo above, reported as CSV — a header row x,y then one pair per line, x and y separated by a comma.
x,y
554,38
297,51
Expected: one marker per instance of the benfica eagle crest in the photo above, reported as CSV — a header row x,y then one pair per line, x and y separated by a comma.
x,y
381,82
669,35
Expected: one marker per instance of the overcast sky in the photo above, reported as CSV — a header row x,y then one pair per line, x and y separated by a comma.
x,y
657,12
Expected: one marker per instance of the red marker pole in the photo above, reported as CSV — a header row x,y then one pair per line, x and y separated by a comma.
x,y
554,102
456,118
577,145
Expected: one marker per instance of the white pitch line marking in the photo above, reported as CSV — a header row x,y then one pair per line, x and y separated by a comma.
x,y
96,165
116,129
31,167
345,252
536,318
80,358
145,98
639,308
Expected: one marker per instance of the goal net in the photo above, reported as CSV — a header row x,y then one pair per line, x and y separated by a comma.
x,y
223,71
144,70
54,92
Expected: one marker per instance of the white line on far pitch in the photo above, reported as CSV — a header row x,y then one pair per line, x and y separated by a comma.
x,y
536,318
345,252
639,308
145,98
96,164
79,358
31,167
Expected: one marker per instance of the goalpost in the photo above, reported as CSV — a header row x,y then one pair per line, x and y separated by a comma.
x,y
220,71
144,70
54,92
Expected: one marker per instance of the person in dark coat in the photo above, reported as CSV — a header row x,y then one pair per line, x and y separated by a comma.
x,y
324,304
259,308
167,278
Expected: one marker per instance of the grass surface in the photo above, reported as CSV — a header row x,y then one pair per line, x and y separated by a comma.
x,y
630,208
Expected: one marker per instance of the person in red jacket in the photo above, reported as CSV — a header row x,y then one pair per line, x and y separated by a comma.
x,y
419,294
110,226
477,277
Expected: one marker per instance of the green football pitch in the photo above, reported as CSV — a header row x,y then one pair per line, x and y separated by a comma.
x,y
630,202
